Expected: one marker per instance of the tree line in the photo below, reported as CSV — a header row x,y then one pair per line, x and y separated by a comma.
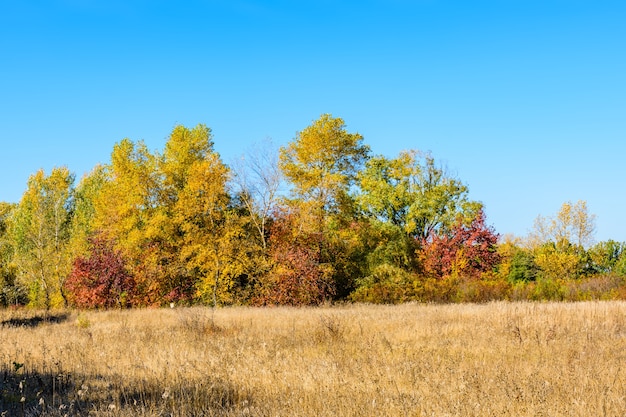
x,y
319,220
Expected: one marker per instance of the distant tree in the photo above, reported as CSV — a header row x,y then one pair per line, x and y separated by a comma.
x,y
523,267
466,251
559,261
100,279
608,257
559,242
572,224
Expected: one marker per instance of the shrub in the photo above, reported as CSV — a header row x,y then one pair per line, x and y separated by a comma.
x,y
101,279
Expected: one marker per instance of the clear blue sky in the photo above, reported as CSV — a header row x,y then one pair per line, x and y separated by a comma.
x,y
524,100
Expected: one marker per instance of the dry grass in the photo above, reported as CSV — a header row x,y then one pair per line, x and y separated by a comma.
x,y
511,359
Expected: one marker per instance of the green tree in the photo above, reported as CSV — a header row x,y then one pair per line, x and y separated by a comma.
x,y
85,196
10,291
41,233
608,257
406,200
412,193
523,267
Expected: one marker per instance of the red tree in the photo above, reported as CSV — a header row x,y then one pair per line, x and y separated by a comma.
x,y
467,250
297,276
101,279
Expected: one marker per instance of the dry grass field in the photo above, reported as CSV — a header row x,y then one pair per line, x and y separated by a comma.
x,y
500,359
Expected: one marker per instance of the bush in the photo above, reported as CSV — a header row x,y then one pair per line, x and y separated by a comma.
x,y
101,279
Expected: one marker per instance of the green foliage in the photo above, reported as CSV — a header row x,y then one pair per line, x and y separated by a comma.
x,y
523,267
608,257
40,232
86,195
386,284
413,193
11,293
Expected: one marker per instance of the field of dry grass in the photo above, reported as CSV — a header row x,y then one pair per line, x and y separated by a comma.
x,y
500,359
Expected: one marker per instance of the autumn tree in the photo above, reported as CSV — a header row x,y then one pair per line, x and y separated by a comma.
x,y
572,224
41,233
214,244
321,164
185,149
126,210
297,276
559,242
558,260
100,278
466,251
129,196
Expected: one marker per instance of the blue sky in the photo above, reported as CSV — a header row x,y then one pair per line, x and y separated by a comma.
x,y
524,100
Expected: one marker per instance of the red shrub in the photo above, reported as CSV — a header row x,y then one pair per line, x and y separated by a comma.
x,y
101,279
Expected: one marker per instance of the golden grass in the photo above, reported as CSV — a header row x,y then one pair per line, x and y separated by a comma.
x,y
507,359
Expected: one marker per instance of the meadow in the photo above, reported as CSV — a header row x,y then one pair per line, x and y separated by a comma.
x,y
497,359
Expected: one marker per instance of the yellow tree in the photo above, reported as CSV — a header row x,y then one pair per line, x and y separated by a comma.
x,y
185,149
213,233
126,210
41,234
321,165
572,224
559,242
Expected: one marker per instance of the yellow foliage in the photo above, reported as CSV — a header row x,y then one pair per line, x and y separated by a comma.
x,y
557,264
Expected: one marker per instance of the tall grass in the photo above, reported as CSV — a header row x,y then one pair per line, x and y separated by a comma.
x,y
510,359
